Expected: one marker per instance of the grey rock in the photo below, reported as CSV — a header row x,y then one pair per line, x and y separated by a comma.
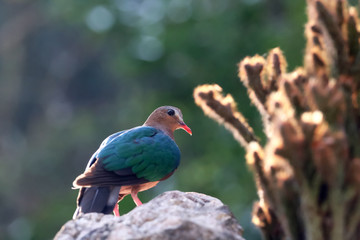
x,y
171,215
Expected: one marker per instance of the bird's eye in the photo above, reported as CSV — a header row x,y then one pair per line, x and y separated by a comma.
x,y
170,112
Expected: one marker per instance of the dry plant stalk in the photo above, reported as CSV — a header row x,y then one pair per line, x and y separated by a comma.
x,y
308,173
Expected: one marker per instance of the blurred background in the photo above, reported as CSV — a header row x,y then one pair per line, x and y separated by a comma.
x,y
73,72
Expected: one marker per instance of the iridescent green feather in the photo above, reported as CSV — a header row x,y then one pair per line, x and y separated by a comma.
x,y
149,153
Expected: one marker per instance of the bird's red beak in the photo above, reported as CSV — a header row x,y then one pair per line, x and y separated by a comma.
x,y
185,127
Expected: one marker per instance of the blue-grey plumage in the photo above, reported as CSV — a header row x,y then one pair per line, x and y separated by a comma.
x,y
130,161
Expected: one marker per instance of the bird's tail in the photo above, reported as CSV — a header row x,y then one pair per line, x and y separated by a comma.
x,y
96,199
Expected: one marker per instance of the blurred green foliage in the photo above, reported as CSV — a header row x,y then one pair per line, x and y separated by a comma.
x,y
73,72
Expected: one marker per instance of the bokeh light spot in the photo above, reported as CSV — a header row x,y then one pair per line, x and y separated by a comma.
x,y
20,229
151,11
100,19
149,49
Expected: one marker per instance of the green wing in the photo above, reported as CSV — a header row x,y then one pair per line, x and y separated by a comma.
x,y
145,151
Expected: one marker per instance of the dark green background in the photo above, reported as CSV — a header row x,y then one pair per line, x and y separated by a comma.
x,y
73,72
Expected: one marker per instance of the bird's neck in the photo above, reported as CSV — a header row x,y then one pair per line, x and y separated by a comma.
x,y
164,129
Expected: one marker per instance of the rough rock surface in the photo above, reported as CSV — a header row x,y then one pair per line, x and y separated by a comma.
x,y
171,215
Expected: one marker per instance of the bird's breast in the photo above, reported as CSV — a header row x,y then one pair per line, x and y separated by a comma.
x,y
137,188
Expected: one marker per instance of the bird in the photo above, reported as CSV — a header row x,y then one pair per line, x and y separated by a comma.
x,y
130,161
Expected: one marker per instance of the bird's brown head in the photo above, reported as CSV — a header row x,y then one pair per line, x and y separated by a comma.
x,y
167,119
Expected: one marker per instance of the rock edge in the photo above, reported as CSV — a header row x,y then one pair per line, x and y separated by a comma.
x,y
171,215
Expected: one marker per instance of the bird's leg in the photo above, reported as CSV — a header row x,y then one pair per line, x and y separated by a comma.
x,y
116,210
135,197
